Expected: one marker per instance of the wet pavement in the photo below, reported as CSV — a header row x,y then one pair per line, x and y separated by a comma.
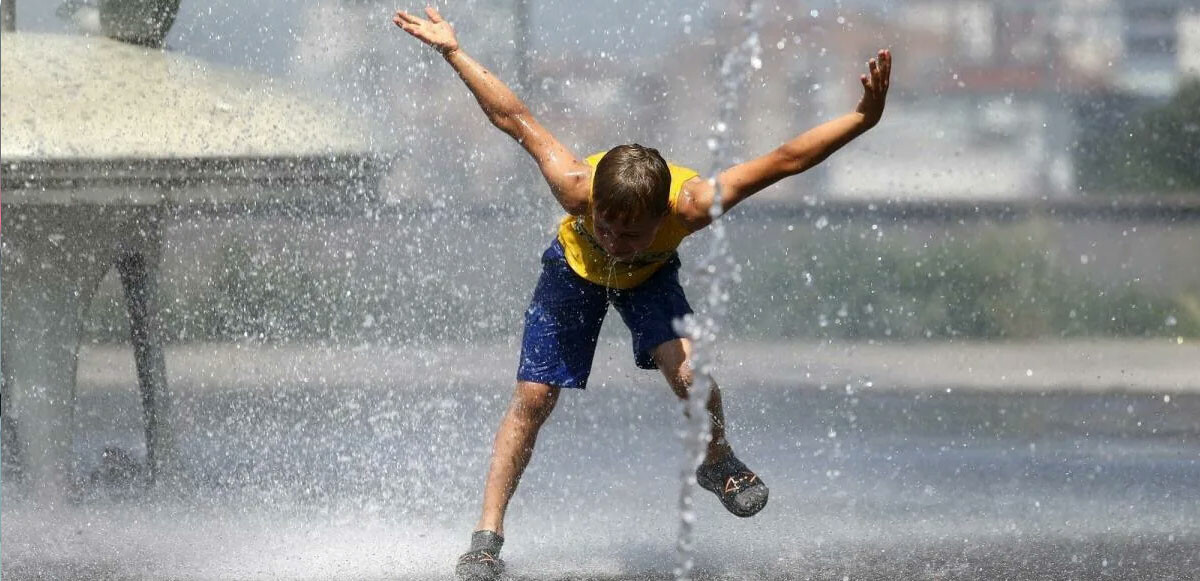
x,y
371,469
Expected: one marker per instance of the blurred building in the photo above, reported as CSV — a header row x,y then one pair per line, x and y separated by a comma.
x,y
1143,47
1188,30
988,91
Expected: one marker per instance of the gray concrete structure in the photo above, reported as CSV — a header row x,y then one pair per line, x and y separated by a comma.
x,y
102,142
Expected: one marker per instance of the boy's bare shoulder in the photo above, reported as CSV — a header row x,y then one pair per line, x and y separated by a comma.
x,y
691,207
575,191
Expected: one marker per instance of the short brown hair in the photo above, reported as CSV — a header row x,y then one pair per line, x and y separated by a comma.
x,y
632,182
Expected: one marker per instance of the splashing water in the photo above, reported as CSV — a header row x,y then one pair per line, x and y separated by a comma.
x,y
718,270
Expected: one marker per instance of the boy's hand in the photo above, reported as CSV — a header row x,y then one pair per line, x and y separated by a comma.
x,y
875,88
435,32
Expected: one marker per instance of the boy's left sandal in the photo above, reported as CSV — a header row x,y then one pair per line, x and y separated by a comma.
x,y
740,490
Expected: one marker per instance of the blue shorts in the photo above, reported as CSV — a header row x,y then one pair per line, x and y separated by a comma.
x,y
563,320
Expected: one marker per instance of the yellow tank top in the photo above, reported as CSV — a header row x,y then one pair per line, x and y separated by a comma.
x,y
589,260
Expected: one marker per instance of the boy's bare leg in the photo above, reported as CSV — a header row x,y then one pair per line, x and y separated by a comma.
x,y
738,488
513,447
674,360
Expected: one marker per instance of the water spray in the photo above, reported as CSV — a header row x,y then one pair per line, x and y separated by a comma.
x,y
718,271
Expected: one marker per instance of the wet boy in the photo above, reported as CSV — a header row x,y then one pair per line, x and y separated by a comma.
x,y
627,211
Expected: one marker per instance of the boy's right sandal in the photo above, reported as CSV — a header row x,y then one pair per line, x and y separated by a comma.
x,y
482,561
741,491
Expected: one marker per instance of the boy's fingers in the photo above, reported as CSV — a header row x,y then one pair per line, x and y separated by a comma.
x,y
887,69
433,14
865,83
406,17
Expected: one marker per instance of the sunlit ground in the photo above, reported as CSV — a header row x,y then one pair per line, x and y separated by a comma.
x,y
373,471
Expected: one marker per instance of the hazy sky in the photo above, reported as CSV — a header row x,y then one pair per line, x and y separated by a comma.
x,y
261,34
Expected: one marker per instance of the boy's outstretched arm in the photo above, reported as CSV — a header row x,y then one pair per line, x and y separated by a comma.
x,y
568,177
797,155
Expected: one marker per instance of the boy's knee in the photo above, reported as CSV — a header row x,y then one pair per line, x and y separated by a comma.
x,y
674,359
680,378
534,401
676,366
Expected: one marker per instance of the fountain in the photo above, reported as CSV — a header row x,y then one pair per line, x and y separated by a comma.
x,y
104,142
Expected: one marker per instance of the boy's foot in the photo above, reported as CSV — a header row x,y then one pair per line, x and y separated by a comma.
x,y
740,490
482,561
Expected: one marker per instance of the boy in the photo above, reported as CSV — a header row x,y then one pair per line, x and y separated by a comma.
x,y
627,211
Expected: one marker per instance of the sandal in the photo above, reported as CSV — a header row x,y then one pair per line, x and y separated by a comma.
x,y
740,490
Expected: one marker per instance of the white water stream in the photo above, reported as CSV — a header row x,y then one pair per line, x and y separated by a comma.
x,y
718,270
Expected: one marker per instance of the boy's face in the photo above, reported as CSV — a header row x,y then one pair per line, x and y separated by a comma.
x,y
622,237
